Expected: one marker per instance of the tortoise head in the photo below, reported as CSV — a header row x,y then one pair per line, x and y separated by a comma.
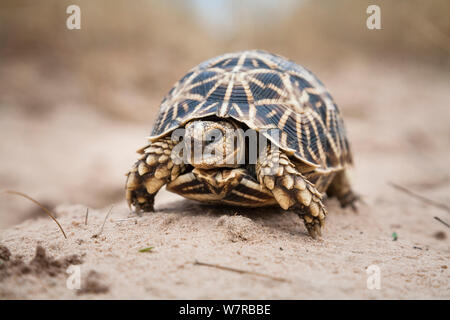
x,y
213,144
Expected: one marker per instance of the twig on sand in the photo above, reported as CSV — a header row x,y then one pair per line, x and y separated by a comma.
x,y
240,271
420,197
48,212
443,222
86,217
104,222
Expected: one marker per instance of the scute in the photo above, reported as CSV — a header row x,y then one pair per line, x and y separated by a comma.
x,y
264,91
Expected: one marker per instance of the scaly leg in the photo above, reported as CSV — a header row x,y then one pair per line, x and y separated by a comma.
x,y
341,189
290,187
153,170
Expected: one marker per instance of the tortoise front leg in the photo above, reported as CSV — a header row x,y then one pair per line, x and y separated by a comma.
x,y
153,170
289,187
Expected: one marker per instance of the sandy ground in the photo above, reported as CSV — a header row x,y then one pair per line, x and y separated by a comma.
x,y
397,119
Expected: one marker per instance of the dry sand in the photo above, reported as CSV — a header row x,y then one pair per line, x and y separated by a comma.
x,y
397,121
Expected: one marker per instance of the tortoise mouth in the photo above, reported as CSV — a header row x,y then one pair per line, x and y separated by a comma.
x,y
212,162
214,155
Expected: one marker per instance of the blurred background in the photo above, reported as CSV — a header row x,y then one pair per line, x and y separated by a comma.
x,y
76,104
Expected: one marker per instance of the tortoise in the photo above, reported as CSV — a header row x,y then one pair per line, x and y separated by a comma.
x,y
249,91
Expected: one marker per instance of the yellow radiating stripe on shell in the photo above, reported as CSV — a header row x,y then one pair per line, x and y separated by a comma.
x,y
318,140
284,118
299,134
247,196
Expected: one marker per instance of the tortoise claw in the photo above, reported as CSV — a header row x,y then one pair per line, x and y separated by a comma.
x,y
314,227
350,200
312,233
318,230
314,230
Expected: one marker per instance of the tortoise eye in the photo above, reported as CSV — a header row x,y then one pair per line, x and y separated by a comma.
x,y
209,140
212,136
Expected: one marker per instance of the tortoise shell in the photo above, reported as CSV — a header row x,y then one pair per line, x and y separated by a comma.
x,y
263,91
